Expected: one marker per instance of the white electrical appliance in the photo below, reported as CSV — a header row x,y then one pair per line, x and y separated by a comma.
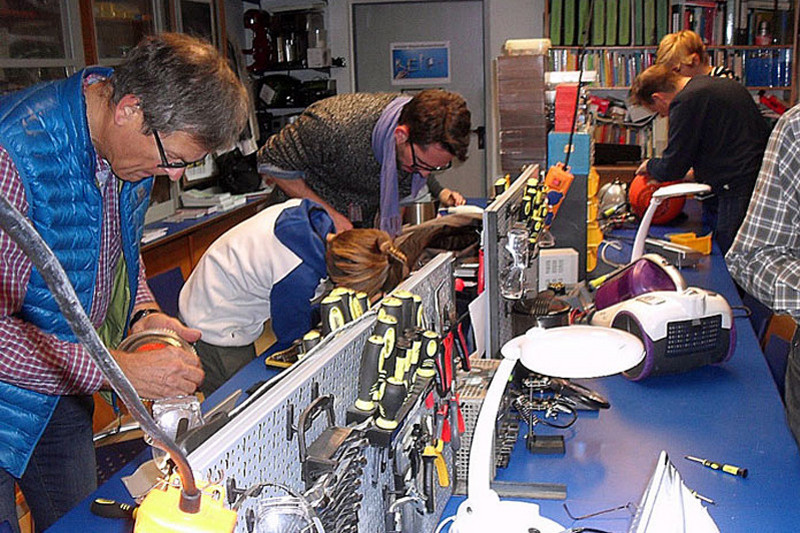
x,y
569,352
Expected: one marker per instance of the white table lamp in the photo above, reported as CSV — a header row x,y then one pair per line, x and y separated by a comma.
x,y
568,352
661,194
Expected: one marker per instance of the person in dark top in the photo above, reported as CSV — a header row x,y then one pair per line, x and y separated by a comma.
x,y
685,52
715,129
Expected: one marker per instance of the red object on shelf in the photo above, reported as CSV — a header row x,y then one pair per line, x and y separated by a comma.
x,y
641,190
566,93
772,102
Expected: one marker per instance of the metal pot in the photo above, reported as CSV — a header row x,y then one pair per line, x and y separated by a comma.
x,y
419,212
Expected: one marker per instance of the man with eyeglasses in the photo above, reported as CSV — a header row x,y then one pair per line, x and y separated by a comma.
x,y
77,158
362,155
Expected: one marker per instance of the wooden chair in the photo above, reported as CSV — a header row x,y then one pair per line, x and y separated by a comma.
x,y
759,315
166,288
776,343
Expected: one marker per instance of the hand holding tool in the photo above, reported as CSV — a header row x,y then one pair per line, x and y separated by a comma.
x,y
728,469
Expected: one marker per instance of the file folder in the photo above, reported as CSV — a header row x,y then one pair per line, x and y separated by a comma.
x,y
556,21
599,23
662,20
625,14
583,14
649,17
638,22
611,22
569,23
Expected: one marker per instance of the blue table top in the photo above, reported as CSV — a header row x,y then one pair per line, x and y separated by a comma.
x,y
731,413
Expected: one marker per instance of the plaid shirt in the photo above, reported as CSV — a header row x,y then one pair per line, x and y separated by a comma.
x,y
765,257
29,357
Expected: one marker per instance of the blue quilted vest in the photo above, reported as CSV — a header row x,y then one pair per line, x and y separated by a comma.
x,y
45,131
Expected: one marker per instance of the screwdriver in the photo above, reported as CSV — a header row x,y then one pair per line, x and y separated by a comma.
x,y
728,469
112,509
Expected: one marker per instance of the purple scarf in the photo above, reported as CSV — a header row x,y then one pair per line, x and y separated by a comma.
x,y
385,150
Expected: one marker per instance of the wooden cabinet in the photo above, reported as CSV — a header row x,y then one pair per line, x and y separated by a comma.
x,y
185,248
609,173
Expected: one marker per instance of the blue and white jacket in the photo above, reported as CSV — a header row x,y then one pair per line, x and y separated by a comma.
x,y
267,267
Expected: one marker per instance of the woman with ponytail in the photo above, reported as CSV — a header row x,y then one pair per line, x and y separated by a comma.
x,y
270,268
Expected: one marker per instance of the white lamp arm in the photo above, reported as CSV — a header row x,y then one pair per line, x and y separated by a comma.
x,y
644,229
481,454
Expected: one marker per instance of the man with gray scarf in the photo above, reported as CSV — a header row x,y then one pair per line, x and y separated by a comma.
x,y
359,154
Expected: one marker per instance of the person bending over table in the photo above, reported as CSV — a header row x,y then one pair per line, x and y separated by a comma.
x,y
359,155
270,267
685,53
77,158
765,257
715,129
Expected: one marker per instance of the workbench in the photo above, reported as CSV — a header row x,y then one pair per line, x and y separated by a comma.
x,y
730,413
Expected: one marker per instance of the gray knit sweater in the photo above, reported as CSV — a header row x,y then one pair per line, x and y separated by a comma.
x,y
330,147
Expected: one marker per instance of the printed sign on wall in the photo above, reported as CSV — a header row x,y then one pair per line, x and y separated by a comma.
x,y
420,63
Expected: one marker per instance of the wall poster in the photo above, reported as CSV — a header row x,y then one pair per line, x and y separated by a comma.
x,y
420,63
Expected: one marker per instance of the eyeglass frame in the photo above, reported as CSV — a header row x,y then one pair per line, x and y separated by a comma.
x,y
166,163
415,163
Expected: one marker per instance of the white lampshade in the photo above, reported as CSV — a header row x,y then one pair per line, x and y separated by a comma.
x,y
577,351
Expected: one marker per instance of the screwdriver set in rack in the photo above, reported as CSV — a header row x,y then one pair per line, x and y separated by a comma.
x,y
255,447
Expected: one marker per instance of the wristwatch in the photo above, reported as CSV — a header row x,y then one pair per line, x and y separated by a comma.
x,y
141,313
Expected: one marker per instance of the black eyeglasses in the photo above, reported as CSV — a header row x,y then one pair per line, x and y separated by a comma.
x,y
170,164
422,165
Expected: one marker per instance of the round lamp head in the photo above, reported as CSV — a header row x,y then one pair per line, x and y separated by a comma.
x,y
577,351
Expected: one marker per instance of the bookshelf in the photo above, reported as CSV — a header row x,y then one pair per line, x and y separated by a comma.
x,y
758,67
753,38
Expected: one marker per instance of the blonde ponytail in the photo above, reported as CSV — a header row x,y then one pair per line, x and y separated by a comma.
x,y
362,259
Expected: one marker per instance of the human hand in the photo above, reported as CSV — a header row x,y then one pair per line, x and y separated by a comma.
x,y
643,167
449,198
163,321
341,222
161,373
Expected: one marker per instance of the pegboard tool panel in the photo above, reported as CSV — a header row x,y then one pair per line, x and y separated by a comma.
x,y
498,218
253,448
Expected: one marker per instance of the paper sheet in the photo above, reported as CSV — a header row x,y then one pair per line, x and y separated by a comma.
x,y
477,316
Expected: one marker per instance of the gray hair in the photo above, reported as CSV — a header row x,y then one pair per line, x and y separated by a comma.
x,y
184,84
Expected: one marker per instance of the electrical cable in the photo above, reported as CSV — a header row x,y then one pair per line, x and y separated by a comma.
x,y
36,249
581,56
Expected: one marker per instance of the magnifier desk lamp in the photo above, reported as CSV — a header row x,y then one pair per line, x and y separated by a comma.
x,y
661,194
581,352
